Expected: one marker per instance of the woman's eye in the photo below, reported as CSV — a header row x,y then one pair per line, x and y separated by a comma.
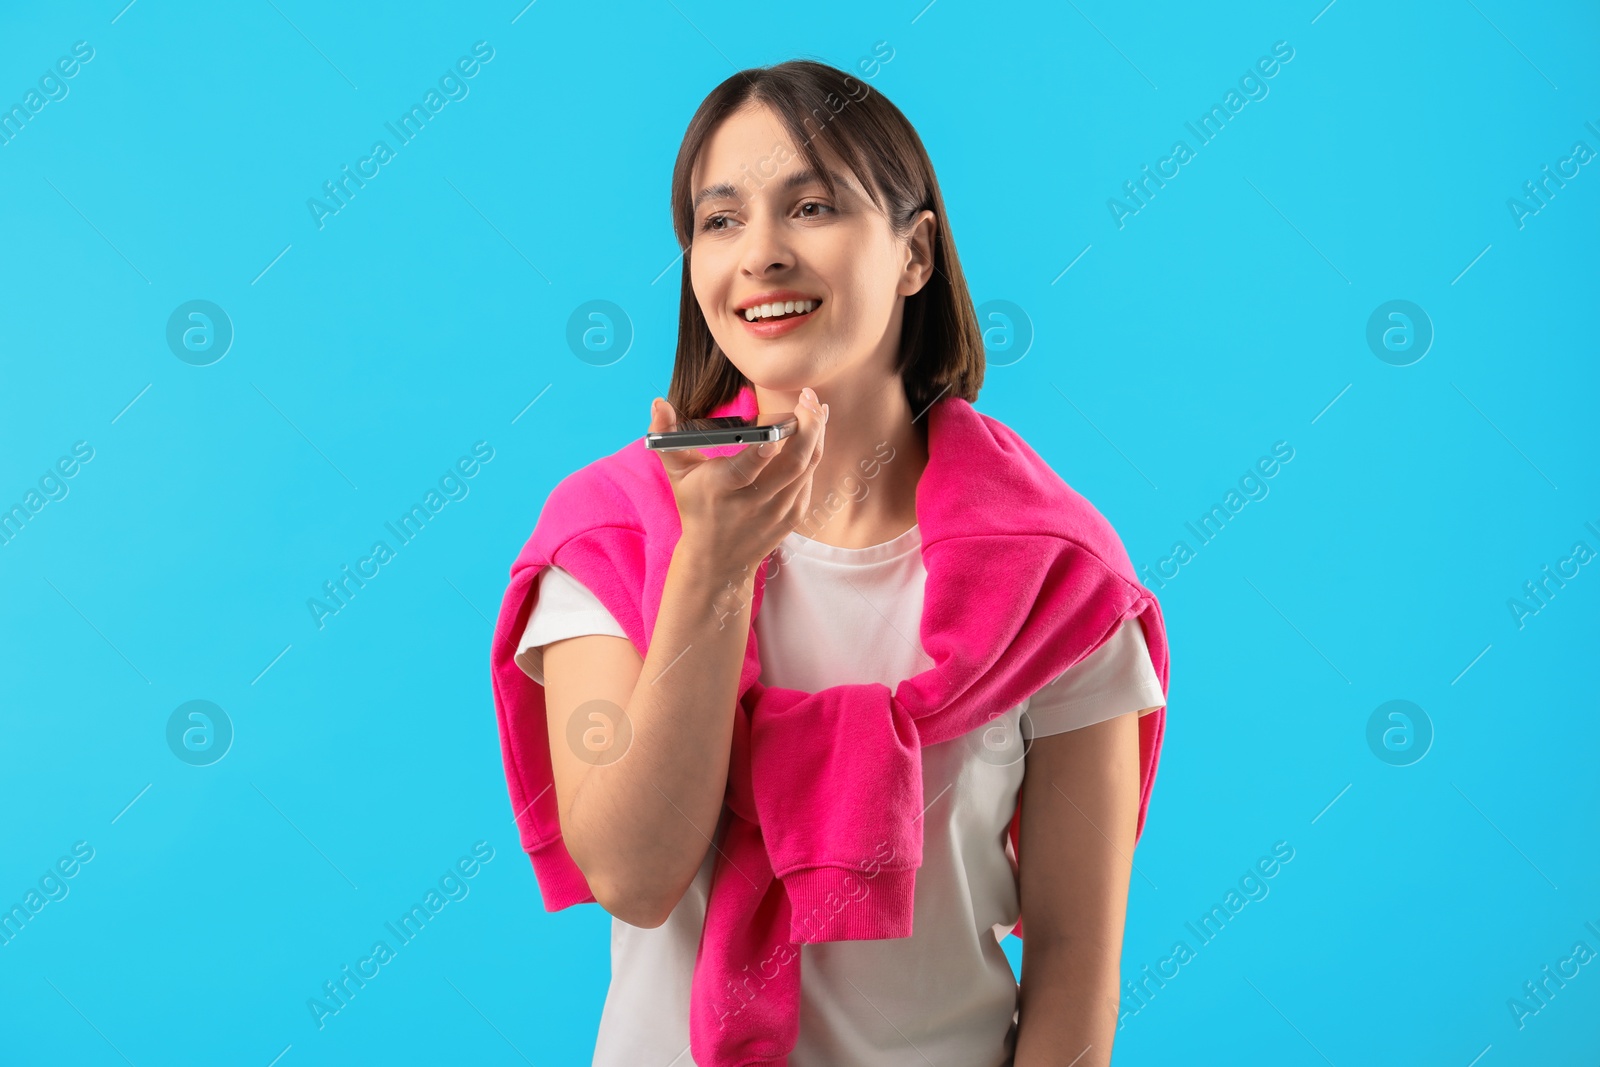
x,y
710,224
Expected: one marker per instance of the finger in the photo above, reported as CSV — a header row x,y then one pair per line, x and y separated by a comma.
x,y
795,497
792,496
799,449
664,418
747,468
741,469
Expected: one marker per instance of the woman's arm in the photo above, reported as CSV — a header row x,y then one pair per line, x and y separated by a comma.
x,y
638,820
638,824
1080,807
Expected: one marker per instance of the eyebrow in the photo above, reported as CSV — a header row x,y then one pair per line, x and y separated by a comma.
x,y
806,176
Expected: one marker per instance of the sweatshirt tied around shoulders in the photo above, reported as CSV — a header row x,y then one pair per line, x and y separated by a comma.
x,y
1025,578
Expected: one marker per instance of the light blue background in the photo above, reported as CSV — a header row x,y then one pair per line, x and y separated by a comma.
x,y
1228,314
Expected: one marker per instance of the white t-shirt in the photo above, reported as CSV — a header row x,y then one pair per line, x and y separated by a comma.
x,y
947,994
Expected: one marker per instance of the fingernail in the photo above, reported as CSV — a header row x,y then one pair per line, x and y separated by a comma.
x,y
765,448
824,413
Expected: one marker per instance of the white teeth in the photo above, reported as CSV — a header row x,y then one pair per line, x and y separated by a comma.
x,y
786,307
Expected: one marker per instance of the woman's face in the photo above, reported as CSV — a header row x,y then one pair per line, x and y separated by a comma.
x,y
763,224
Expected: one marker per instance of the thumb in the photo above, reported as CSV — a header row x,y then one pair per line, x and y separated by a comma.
x,y
664,418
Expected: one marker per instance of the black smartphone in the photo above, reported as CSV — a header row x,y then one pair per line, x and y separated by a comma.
x,y
723,430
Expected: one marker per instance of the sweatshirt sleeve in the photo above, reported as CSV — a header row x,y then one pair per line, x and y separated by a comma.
x,y
829,809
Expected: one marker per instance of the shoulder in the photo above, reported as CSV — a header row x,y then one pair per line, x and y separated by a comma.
x,y
1047,502
623,489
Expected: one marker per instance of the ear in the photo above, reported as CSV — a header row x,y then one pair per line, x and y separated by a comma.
x,y
919,266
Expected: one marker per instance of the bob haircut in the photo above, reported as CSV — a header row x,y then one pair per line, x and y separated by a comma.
x,y
941,345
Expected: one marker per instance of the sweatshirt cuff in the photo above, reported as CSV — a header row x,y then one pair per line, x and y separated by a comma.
x,y
845,904
561,882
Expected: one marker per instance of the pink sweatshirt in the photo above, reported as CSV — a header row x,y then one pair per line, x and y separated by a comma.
x,y
1024,579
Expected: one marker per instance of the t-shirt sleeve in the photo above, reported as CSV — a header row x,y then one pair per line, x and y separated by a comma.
x,y
564,609
1115,679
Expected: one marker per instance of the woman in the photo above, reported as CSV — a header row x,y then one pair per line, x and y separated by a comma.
x,y
822,278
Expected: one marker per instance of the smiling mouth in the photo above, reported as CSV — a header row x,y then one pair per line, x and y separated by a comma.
x,y
800,308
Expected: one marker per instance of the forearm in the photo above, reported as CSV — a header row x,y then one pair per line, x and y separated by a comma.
x,y
1068,1003
1079,819
646,820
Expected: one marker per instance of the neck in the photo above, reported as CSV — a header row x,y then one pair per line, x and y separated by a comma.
x,y
864,490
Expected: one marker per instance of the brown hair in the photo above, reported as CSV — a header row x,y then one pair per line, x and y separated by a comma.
x,y
941,346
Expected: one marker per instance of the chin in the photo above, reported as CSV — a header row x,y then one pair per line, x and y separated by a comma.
x,y
779,379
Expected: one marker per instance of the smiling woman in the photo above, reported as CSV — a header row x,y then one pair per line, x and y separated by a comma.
x,y
800,790
823,161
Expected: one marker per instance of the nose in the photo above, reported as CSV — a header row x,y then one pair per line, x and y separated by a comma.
x,y
766,246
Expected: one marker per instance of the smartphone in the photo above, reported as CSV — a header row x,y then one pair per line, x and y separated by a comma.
x,y
723,430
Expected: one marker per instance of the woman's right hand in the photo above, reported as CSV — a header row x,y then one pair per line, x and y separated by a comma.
x,y
736,509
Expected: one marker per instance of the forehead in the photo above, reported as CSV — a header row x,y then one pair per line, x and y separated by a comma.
x,y
748,151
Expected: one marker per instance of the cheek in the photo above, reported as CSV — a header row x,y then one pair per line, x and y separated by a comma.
x,y
713,266
863,284
705,289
